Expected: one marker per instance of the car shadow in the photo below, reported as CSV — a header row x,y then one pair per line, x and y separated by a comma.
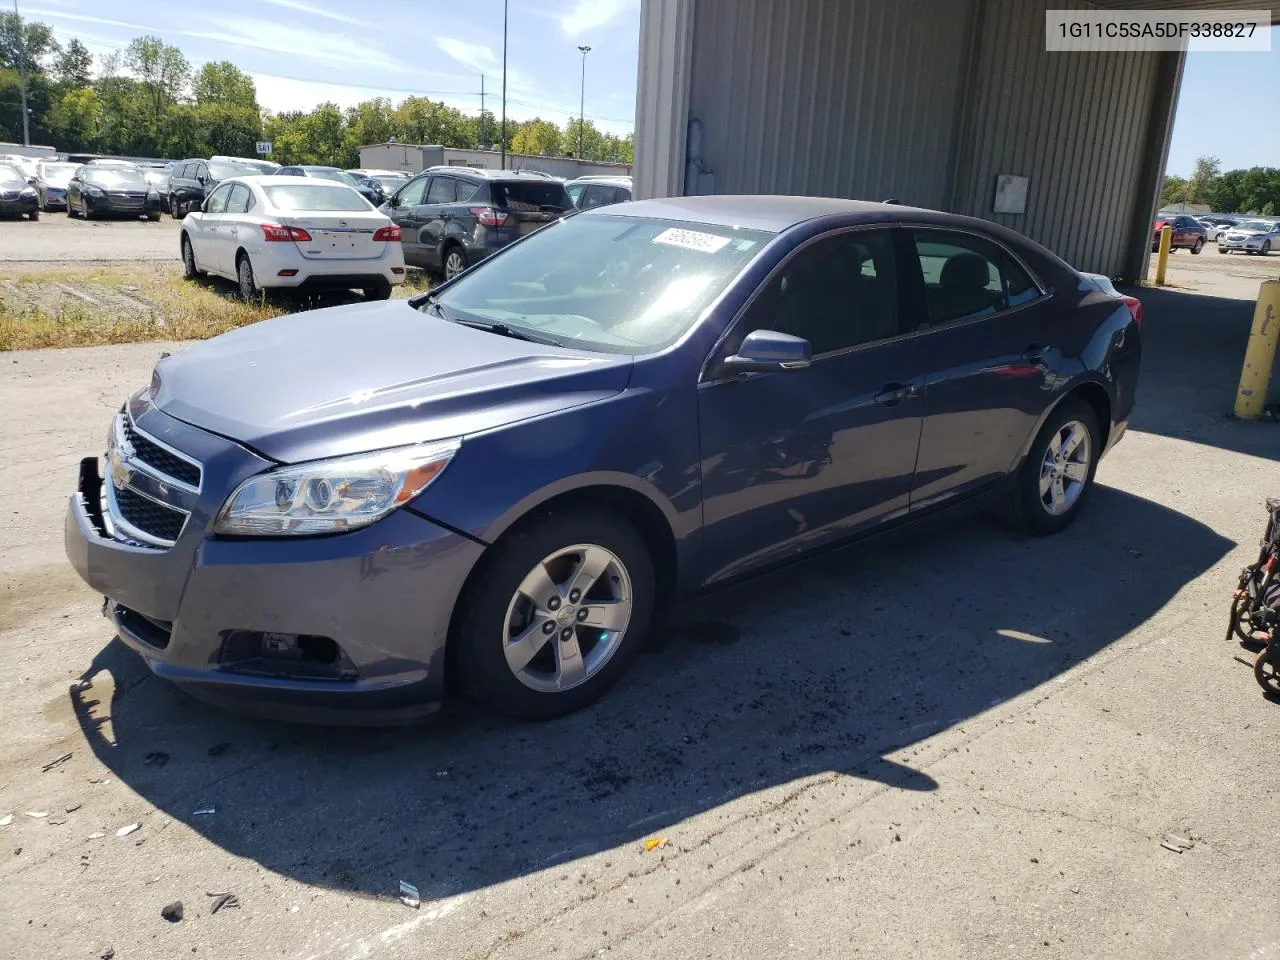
x,y
1192,351
824,667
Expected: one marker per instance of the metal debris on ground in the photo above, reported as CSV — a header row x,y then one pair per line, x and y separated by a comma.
x,y
6,820
38,814
221,900
126,830
107,954
72,808
204,811
172,911
156,758
409,895
96,835
1176,844
54,762
654,843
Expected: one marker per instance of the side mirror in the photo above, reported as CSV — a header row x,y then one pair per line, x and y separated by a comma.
x,y
33,180
767,351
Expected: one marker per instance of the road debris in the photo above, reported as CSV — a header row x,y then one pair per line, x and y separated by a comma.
x,y
1176,844
442,774
6,820
221,900
38,814
172,911
156,758
107,954
126,830
96,835
54,762
654,843
74,807
204,811
409,895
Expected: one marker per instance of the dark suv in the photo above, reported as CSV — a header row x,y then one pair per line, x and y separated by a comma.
x,y
450,220
193,180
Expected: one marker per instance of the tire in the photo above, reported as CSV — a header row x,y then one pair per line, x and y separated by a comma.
x,y
174,209
378,291
249,289
1266,248
154,216
189,269
1266,670
494,606
85,211
71,211
1036,508
1199,245
455,261
33,215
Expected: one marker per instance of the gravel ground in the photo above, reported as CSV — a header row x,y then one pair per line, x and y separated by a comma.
x,y
963,744
56,240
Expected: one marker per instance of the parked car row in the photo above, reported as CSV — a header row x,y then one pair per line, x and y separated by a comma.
x,y
1254,236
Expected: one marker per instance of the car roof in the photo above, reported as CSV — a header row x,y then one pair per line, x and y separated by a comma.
x,y
604,181
276,180
316,166
771,213
486,174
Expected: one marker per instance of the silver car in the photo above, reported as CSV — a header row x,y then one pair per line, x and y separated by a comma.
x,y
1255,236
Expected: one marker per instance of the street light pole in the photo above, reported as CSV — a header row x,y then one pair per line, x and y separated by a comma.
x,y
582,96
22,76
504,84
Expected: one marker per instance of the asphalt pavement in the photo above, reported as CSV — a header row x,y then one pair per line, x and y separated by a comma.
x,y
961,744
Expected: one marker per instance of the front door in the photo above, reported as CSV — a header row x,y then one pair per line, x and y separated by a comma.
x,y
985,330
210,242
795,459
435,209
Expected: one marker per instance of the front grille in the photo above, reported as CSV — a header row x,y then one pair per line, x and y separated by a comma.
x,y
158,458
154,519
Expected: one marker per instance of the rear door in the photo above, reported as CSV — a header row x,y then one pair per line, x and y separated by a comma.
x,y
992,360
404,209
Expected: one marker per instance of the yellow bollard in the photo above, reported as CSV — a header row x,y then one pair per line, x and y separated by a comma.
x,y
1166,244
1260,354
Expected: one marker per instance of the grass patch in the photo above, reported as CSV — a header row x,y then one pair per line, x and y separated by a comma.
x,y
78,308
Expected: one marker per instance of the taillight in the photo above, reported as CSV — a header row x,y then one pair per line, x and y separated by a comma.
x,y
389,234
489,217
1135,308
274,232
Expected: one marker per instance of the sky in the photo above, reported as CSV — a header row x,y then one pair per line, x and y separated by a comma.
x,y
1229,108
304,52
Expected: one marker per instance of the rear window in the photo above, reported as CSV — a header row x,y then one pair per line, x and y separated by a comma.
x,y
225,171
316,197
530,197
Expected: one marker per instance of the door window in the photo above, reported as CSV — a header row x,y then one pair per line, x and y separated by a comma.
x,y
238,201
217,202
442,190
967,276
838,292
575,193
466,190
410,194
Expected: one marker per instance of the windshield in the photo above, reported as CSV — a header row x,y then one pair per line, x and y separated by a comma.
x,y
9,173
1260,225
616,284
115,176
314,198
57,172
340,175
390,184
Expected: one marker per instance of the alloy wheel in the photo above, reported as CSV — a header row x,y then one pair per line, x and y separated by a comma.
x,y
248,287
1064,471
567,618
454,264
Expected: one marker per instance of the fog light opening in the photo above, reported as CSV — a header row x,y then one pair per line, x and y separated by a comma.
x,y
287,273
291,655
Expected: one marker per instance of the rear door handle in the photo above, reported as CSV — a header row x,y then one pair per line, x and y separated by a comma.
x,y
894,393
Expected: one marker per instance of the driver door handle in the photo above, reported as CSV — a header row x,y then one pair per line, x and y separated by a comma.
x,y
892,394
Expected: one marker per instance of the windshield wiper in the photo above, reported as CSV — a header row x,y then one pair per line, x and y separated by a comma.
x,y
492,326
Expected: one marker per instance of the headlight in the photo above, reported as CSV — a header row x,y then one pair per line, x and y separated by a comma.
x,y
95,191
331,496
151,194
28,191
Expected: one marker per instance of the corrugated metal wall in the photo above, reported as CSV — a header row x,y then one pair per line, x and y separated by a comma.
x,y
1074,123
856,98
662,97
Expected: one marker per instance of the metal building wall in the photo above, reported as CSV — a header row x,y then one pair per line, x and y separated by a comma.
x,y
1074,124
856,98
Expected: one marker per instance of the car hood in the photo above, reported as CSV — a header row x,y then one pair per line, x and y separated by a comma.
x,y
370,376
1251,232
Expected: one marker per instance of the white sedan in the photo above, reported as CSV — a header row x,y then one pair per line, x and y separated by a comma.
x,y
292,232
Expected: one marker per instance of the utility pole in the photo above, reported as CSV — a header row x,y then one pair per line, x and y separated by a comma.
x,y
481,128
504,83
582,98
22,77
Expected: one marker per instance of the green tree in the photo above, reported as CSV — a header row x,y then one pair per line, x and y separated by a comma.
x,y
590,146
537,137
419,120
73,67
124,125
225,84
1202,179
75,119
163,74
29,41
1174,190
367,122
1224,195
487,129
1269,209
315,137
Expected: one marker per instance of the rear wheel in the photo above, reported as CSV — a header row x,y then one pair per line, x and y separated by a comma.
x,y
1198,246
377,291
154,216
557,614
174,210
33,215
1054,481
1266,669
249,289
455,261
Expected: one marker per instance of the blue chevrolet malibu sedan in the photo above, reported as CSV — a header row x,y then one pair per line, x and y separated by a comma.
x,y
327,515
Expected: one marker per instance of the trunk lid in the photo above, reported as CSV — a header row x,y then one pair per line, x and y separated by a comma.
x,y
338,236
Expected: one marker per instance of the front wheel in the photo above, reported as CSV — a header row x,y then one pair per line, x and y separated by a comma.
x,y
174,210
1266,248
85,211
33,215
189,269
249,289
1054,480
154,216
1198,247
557,614
455,261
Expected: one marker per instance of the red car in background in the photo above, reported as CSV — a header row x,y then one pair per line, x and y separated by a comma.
x,y
1187,232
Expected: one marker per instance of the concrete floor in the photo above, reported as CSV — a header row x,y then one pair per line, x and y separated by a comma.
x,y
963,745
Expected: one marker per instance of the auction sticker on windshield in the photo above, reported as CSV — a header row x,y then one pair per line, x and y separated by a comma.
x,y
692,240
